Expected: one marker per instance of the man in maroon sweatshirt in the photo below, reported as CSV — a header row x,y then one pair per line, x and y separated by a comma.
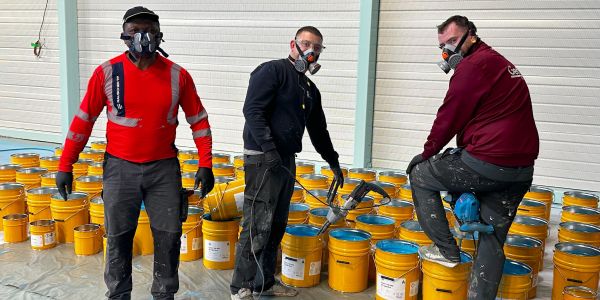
x,y
488,108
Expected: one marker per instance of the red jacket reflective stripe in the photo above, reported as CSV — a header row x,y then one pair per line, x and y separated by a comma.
x,y
141,107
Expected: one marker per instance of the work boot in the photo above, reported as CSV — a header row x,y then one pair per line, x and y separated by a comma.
x,y
277,290
243,294
432,253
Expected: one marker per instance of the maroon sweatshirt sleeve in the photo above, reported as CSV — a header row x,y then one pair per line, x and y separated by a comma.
x,y
467,87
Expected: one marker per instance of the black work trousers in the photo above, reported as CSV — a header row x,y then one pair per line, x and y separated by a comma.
x,y
498,199
126,185
266,206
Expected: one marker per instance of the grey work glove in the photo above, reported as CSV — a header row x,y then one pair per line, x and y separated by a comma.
x,y
205,179
272,159
64,183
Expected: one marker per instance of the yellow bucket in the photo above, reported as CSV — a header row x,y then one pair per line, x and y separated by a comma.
x,y
579,293
349,185
532,208
387,187
398,272
297,195
191,236
69,214
468,242
316,198
399,210
326,170
38,203
94,155
380,228
96,169
533,227
226,200
43,234
348,259
317,217
221,158
80,168
405,192
184,155
364,207
91,185
97,212
394,177
543,194
219,238
239,173
226,170
582,233
12,199
367,175
238,161
8,172
190,166
87,239
195,200
31,177
58,151
143,239
580,214
575,264
15,228
25,160
516,281
298,213
527,250
411,231
443,283
98,145
49,179
580,199
302,251
188,180
303,168
50,163
313,181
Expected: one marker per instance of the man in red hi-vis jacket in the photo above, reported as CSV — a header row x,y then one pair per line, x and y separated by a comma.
x,y
142,92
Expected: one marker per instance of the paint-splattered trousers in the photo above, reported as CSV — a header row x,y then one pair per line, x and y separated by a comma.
x,y
498,199
126,185
266,205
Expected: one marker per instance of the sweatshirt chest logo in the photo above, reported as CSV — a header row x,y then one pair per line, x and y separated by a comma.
x,y
514,72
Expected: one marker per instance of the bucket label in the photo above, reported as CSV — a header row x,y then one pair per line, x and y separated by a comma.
x,y
49,238
183,249
196,244
37,240
292,267
217,251
391,288
239,201
414,288
315,268
534,280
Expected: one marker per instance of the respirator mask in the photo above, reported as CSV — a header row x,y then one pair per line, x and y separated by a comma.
x,y
144,44
307,60
452,55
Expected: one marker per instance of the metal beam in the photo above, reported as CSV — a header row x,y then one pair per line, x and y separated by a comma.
x,y
69,62
367,59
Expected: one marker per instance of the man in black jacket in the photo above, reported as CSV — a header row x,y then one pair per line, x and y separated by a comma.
x,y
280,102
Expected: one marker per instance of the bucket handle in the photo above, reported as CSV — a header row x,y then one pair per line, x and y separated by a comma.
x,y
39,211
342,262
69,217
443,290
5,207
572,279
194,228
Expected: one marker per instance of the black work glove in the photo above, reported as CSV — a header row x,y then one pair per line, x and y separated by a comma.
x,y
338,175
64,183
272,159
206,179
415,161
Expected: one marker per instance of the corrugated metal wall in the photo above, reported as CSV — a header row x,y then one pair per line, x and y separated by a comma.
x,y
29,86
221,42
555,45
